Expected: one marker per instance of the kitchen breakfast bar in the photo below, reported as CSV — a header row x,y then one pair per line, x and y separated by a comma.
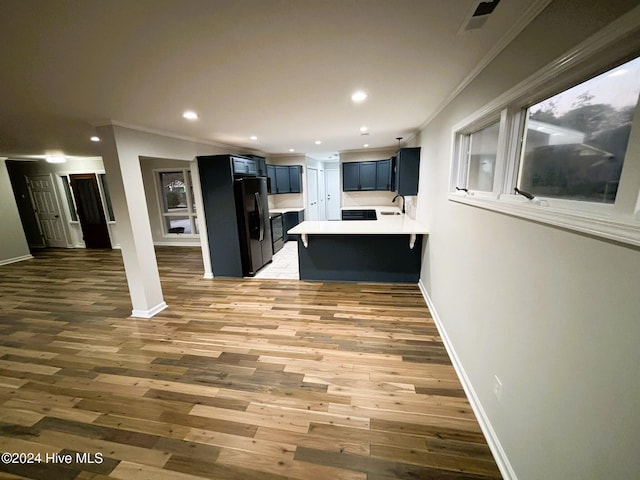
x,y
388,249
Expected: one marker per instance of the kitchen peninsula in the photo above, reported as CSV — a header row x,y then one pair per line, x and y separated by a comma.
x,y
387,249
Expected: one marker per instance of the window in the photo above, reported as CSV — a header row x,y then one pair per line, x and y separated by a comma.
x,y
177,202
481,150
107,198
575,142
566,147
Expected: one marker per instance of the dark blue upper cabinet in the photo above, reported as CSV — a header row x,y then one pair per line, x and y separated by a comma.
x,y
407,171
295,179
350,177
383,175
261,164
369,175
282,179
285,178
271,175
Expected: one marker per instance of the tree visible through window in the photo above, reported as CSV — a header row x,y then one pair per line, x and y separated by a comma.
x,y
575,142
177,201
570,159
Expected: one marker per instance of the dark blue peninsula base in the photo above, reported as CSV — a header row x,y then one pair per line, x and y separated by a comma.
x,y
360,258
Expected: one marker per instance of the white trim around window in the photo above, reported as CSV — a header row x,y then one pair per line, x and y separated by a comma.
x,y
618,221
185,216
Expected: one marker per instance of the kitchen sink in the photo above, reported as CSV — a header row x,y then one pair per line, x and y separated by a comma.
x,y
390,213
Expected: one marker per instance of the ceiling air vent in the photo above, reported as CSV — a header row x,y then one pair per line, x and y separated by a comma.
x,y
478,15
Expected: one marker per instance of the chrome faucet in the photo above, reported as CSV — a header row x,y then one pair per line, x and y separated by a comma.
x,y
403,200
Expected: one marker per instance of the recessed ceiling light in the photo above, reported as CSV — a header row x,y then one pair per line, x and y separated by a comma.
x,y
55,159
253,137
292,149
365,145
364,129
359,96
95,139
318,142
190,115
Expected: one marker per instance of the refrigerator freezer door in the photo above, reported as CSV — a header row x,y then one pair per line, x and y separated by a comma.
x,y
267,247
253,219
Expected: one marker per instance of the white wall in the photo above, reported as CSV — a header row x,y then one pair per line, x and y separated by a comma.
x,y
554,314
13,243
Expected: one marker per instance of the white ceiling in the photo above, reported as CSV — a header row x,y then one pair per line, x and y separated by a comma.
x,y
283,70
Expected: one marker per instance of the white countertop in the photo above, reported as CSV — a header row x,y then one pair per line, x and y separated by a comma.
x,y
384,225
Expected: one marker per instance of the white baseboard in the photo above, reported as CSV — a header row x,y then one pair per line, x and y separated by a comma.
x,y
177,244
149,313
15,259
485,425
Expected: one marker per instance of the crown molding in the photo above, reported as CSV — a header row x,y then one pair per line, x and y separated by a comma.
x,y
534,9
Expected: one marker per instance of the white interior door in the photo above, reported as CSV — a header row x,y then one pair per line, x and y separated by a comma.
x,y
332,187
322,213
312,194
45,204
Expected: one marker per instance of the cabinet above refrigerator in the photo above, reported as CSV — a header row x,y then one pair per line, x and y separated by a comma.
x,y
236,214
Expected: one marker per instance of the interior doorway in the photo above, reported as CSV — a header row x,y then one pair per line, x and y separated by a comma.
x,y
333,193
47,210
323,195
312,194
90,210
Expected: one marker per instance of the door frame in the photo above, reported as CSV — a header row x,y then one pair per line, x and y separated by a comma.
x,y
98,195
311,205
55,204
332,183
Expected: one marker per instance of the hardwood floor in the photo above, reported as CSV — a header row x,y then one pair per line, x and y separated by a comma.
x,y
237,379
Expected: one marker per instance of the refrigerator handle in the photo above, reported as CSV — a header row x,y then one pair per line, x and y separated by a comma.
x,y
260,215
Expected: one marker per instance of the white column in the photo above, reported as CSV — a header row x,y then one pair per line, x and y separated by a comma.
x,y
202,225
122,167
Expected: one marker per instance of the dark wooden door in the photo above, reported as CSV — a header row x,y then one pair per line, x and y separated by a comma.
x,y
90,211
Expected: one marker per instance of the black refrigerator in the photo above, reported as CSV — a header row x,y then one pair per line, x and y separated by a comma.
x,y
252,209
236,211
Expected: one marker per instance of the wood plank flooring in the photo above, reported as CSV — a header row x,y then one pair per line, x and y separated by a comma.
x,y
238,379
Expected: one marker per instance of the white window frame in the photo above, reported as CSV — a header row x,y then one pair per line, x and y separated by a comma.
x,y
101,177
192,213
619,221
64,182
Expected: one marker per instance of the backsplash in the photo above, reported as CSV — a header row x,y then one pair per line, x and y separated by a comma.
x,y
357,199
378,199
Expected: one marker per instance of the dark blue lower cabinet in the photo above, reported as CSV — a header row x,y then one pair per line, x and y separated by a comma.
x,y
291,219
360,258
